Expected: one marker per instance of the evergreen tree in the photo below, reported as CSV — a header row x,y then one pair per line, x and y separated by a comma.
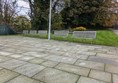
x,y
87,13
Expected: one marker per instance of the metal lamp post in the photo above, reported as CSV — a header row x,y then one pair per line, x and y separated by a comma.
x,y
50,14
59,8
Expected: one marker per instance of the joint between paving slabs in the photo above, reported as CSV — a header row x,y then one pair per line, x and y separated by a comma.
x,y
38,72
6,60
88,57
96,54
89,72
12,78
42,62
17,67
111,78
56,65
104,67
37,79
2,68
94,69
76,61
97,80
78,79
67,71
28,76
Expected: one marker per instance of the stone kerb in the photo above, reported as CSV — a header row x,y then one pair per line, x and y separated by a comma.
x,y
33,32
84,34
25,31
42,32
62,33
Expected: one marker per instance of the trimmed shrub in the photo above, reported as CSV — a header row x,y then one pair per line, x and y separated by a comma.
x,y
79,29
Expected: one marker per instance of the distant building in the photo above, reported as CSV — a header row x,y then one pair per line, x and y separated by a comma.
x,y
5,30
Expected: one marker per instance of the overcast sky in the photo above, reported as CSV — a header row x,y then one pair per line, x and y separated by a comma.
x,y
25,9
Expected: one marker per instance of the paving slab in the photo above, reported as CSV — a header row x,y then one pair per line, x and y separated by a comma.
x,y
75,55
5,53
101,59
115,78
16,55
1,68
73,69
50,63
89,80
112,52
90,64
55,52
111,69
37,61
61,59
50,75
12,50
29,69
26,58
11,64
100,75
23,79
111,56
88,53
99,50
2,58
6,75
35,54
83,57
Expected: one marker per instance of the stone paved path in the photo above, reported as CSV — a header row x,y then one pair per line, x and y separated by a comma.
x,y
30,60
116,32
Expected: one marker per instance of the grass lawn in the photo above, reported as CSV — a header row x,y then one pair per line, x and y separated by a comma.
x,y
104,37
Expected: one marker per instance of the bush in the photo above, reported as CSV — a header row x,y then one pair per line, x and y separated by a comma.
x,y
79,29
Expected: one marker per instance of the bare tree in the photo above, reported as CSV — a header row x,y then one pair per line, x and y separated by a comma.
x,y
31,7
1,11
8,10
